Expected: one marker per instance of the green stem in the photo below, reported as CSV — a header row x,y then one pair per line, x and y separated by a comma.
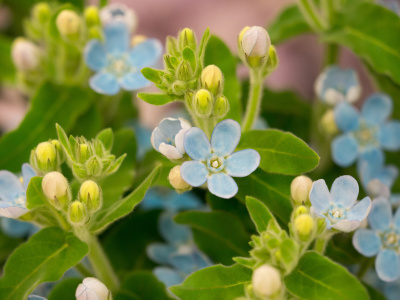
x,y
312,15
83,270
321,242
254,101
365,266
61,220
331,54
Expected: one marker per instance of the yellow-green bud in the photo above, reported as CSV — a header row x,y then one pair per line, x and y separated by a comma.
x,y
221,107
300,210
68,23
77,213
90,195
300,189
83,152
203,103
95,32
46,157
184,71
92,16
303,225
41,12
273,60
25,55
56,188
266,281
176,180
59,149
212,80
254,46
187,38
328,122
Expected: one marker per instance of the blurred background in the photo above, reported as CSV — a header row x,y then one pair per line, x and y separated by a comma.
x,y
300,58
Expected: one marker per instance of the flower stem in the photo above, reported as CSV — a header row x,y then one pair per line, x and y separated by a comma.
x,y
83,270
254,101
61,220
311,14
331,54
321,242
364,267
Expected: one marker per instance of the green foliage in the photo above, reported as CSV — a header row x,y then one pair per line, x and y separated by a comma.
x,y
7,73
214,283
259,213
156,98
317,277
45,257
281,152
65,290
34,194
218,234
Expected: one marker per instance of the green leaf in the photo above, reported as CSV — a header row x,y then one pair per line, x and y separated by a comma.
x,y
289,23
51,104
106,136
45,257
34,194
156,98
152,74
218,234
259,213
214,283
124,206
281,152
190,57
340,249
7,246
203,43
217,53
142,285
65,290
7,73
317,277
271,189
375,42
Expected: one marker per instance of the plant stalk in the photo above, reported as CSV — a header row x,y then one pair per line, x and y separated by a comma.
x,y
254,101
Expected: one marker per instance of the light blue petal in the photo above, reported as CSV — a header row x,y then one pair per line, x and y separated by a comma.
x,y
346,117
222,185
367,242
344,191
370,161
11,210
169,127
10,186
146,53
116,38
395,199
360,211
242,163
389,136
27,173
133,81
388,175
172,232
320,197
14,228
152,200
380,215
168,276
194,172
104,83
396,219
344,150
387,265
184,201
376,109
196,144
160,253
225,137
184,263
392,290
95,55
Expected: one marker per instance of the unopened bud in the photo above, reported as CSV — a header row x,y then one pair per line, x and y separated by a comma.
x,y
221,107
57,146
211,79
300,189
25,55
176,180
300,211
273,61
266,281
92,16
56,188
94,166
328,122
187,38
241,34
41,12
95,32
68,23
255,45
92,289
46,153
77,213
184,71
303,225
203,103
137,39
90,195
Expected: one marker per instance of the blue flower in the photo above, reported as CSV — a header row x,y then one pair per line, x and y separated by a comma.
x,y
13,192
364,131
118,12
167,137
338,207
17,229
383,239
336,85
215,162
117,65
180,253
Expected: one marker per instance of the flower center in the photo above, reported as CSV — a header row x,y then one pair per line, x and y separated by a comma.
x,y
215,163
119,66
390,239
20,200
117,12
337,213
366,135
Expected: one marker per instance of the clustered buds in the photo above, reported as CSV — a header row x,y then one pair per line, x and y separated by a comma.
x,y
187,38
92,289
300,189
47,157
25,55
177,181
56,189
266,281
90,195
41,13
77,213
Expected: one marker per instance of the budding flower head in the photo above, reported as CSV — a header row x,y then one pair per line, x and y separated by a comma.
x,y
77,213
176,180
255,45
92,16
68,23
45,158
187,38
328,122
25,55
41,12
273,61
303,225
300,189
203,103
56,188
46,152
221,107
212,80
90,195
266,281
92,289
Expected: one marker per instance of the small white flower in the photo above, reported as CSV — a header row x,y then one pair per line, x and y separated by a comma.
x,y
266,281
300,188
92,289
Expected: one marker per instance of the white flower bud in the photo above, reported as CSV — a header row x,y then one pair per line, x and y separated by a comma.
x,y
300,189
56,188
176,180
266,281
92,289
212,80
255,45
328,123
25,55
68,23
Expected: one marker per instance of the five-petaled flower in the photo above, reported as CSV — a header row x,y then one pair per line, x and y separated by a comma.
x,y
338,207
116,63
364,131
383,239
336,85
215,162
13,192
